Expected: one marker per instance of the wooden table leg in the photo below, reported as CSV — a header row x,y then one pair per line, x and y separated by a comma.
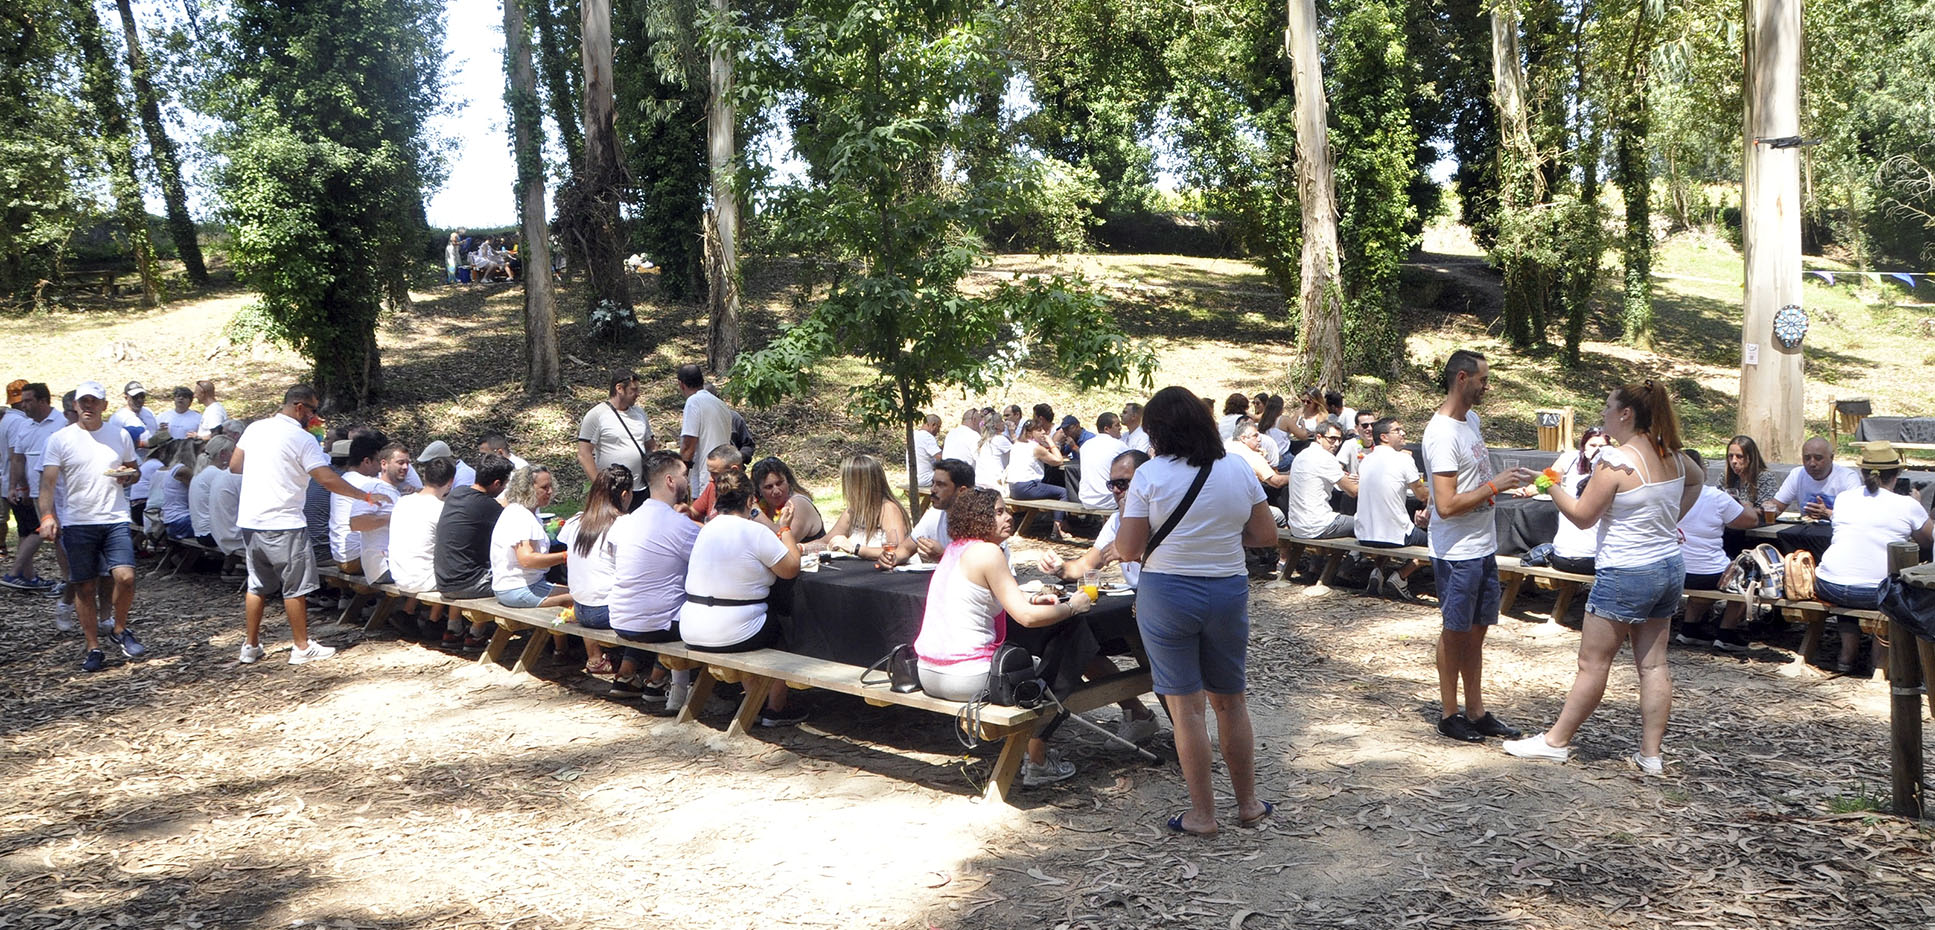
x,y
1331,563
1927,651
1512,587
533,650
1027,515
695,700
1562,603
384,607
355,599
499,638
757,687
1014,750
1811,640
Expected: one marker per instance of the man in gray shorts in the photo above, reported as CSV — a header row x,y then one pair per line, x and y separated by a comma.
x,y
282,458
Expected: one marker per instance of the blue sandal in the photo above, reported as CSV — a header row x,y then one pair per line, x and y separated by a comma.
x,y
1176,826
1268,809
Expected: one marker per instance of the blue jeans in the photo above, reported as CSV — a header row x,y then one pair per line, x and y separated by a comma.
x,y
95,549
1196,631
1039,491
1468,592
1638,593
530,596
1851,596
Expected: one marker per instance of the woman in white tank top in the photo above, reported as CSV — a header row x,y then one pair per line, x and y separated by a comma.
x,y
1638,492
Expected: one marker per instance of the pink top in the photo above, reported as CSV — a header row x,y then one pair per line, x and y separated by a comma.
x,y
963,623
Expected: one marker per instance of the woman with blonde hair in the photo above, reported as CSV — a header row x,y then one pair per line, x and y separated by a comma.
x,y
520,549
874,517
991,454
1638,492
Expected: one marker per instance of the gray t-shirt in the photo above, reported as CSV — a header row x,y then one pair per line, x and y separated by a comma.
x,y
1456,446
618,438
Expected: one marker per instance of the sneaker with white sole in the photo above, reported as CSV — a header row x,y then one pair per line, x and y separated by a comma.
x,y
64,621
1052,769
1535,747
314,652
675,697
251,654
1137,729
130,645
1375,584
1648,765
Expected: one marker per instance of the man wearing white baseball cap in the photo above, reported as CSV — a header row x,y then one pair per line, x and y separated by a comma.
x,y
89,465
136,419
439,449
277,458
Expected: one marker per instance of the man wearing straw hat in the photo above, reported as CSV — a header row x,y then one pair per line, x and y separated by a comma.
x,y
1867,520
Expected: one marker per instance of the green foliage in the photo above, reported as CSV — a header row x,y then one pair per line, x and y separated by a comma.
x,y
659,71
1550,257
326,158
878,111
1061,217
1375,151
39,205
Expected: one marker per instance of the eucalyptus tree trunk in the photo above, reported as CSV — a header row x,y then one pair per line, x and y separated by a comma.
x,y
1771,390
554,62
542,371
722,247
181,227
600,231
101,84
1521,185
1322,300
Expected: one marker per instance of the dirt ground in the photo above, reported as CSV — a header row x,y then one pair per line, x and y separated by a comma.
x,y
398,786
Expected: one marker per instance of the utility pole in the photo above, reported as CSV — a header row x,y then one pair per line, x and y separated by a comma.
x,y
1771,387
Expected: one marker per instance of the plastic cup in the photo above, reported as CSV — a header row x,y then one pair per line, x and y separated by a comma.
x,y
1092,584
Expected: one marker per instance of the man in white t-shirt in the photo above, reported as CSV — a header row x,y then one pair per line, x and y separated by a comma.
x,y
27,434
370,520
183,422
963,440
1095,456
652,548
616,431
201,488
224,504
277,458
1464,546
1358,444
1868,519
929,537
136,418
1813,487
413,548
345,544
1133,434
927,451
705,424
214,415
1387,479
1314,474
90,465
495,443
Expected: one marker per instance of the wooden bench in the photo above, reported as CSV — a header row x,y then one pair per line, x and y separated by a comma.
x,y
1511,571
760,670
1030,508
184,552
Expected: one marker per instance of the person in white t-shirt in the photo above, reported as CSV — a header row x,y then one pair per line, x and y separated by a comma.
x,y
370,520
705,424
27,435
1702,548
1192,599
926,451
413,546
345,544
652,548
1867,520
274,531
929,537
962,440
1464,546
136,418
171,484
1359,443
991,455
1095,454
1027,469
201,489
495,443
520,549
224,502
1314,474
1133,434
1813,487
616,431
735,563
214,415
591,562
183,422
1387,479
90,465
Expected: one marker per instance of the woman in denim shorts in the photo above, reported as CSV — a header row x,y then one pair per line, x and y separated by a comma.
x,y
1638,492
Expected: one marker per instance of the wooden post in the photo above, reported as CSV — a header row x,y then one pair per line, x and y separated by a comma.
x,y
1770,374
1905,700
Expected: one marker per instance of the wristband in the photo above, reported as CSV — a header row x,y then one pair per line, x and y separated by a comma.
x,y
1494,488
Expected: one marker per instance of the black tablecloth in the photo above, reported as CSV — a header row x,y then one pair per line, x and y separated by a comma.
x,y
1896,429
1524,522
851,612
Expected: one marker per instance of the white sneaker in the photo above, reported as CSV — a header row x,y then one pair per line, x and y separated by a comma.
x,y
64,621
1535,747
1137,729
1648,765
251,654
316,652
675,696
1375,583
1054,768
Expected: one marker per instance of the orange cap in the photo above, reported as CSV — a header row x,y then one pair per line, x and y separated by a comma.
x,y
16,391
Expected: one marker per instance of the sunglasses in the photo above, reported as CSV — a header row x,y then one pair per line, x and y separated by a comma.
x,y
1118,484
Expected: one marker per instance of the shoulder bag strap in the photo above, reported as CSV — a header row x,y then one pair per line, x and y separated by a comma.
x,y
1175,516
642,454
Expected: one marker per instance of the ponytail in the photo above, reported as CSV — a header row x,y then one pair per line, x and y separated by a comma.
x,y
1871,480
1653,415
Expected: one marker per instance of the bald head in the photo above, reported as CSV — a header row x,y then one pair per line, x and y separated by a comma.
x,y
1817,456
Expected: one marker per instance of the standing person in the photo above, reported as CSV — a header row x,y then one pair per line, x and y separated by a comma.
x,y
962,439
1464,546
281,561
1101,449
1639,491
616,432
27,436
1867,520
183,422
926,451
1188,514
370,520
706,424
214,415
89,466
651,550
1388,477
136,418
1028,465
450,258
1133,435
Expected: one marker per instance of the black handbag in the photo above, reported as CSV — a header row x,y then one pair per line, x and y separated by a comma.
x,y
1014,678
902,666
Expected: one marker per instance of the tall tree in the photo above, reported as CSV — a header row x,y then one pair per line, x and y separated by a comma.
x,y
542,371
661,72
1521,178
1634,159
101,84
326,158
1376,163
38,205
722,225
1770,372
161,148
589,205
554,22
1320,333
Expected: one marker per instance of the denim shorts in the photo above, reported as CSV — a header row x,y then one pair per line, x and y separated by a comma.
x,y
1640,593
1196,631
1851,596
1468,592
529,596
95,549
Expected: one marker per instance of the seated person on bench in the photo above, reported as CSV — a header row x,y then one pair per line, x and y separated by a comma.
x,y
1573,547
1702,529
413,544
651,550
735,562
1387,478
1867,520
873,513
520,549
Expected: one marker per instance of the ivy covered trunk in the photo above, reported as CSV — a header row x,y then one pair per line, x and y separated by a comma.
x,y
1521,185
181,227
1636,184
1322,297
101,84
722,227
542,372
598,189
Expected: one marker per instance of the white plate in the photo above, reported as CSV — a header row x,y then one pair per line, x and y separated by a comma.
x,y
917,567
1113,588
1541,497
1031,587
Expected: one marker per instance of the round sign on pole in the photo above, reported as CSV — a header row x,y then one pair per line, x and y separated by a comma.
x,y
1790,325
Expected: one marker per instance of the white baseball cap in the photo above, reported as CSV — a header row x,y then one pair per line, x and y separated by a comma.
x,y
90,389
436,450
